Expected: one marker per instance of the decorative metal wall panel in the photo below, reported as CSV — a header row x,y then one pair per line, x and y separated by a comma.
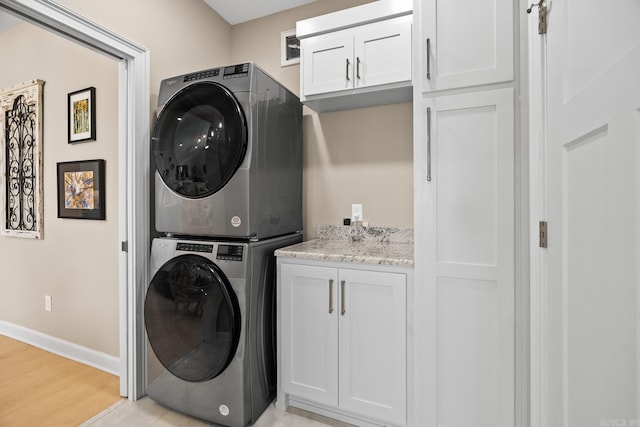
x,y
21,167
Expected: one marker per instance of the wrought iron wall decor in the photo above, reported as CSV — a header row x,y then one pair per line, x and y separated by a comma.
x,y
21,154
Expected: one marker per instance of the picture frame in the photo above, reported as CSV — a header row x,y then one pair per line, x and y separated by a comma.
x,y
81,189
289,48
81,109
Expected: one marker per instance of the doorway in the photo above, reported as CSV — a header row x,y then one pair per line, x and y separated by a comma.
x,y
133,167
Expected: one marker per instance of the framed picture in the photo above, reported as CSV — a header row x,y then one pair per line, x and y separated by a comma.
x,y
81,193
82,115
289,48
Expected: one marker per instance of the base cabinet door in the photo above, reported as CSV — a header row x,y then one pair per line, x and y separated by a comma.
x,y
343,335
309,332
372,324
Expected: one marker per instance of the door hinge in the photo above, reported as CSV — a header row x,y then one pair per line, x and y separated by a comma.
x,y
542,15
543,234
124,246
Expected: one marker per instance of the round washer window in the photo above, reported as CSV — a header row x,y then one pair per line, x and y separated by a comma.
x,y
199,140
192,318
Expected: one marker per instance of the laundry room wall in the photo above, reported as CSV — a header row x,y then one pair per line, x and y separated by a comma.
x,y
77,261
363,155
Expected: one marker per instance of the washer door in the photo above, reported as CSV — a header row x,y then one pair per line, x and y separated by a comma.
x,y
192,318
199,140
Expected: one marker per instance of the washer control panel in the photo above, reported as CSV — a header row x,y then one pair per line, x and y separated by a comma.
x,y
230,253
194,247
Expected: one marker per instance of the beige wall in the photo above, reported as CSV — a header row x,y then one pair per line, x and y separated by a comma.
x,y
77,261
358,156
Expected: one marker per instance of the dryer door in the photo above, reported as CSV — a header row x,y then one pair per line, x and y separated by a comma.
x,y
192,318
199,140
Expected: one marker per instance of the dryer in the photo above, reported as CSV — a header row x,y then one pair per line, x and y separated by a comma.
x,y
209,314
227,145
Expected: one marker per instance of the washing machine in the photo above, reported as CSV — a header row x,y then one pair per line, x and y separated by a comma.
x,y
227,145
209,314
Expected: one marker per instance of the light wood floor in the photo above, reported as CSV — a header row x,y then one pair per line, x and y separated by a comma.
x,y
38,388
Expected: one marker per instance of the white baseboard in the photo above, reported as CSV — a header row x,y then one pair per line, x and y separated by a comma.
x,y
78,353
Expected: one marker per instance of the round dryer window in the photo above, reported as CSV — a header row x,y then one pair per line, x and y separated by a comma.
x,y
192,318
199,140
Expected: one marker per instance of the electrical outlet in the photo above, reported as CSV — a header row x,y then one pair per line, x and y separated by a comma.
x,y
47,303
356,212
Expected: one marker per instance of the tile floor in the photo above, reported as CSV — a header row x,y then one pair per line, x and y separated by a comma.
x,y
145,412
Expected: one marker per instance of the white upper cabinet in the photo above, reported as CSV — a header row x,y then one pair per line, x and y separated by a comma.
x,y
369,55
466,43
357,57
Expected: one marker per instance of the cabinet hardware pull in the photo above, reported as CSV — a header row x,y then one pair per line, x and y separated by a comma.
x,y
428,59
358,67
428,143
347,69
343,311
330,296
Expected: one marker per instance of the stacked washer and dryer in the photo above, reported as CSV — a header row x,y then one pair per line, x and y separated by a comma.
x,y
228,191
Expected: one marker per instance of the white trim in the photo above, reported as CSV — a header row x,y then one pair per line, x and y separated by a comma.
x,y
133,116
537,210
78,353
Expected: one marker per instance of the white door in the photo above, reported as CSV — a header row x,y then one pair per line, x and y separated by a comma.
x,y
309,329
584,288
327,63
383,52
469,278
373,344
466,43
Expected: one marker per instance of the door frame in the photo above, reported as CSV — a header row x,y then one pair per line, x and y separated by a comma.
x,y
133,168
538,288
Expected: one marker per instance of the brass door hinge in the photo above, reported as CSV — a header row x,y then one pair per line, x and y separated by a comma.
x,y
542,15
543,234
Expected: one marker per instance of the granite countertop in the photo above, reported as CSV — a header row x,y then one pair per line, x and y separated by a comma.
x,y
389,246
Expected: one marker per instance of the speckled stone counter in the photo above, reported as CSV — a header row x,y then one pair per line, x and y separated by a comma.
x,y
367,245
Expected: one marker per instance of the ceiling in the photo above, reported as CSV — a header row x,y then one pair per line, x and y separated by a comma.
x,y
237,11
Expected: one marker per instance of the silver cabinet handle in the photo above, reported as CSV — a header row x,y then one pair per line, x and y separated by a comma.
x,y
347,69
428,59
358,67
330,296
428,143
343,311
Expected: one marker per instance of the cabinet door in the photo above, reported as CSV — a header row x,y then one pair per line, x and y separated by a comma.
x,y
465,325
469,43
327,63
309,332
383,52
373,366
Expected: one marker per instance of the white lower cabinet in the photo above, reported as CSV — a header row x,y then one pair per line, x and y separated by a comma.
x,y
343,341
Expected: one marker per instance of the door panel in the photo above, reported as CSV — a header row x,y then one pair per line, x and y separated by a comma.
x,y
589,272
383,53
471,43
469,259
373,345
328,63
309,332
600,296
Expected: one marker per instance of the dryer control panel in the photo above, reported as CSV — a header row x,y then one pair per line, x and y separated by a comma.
x,y
229,253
